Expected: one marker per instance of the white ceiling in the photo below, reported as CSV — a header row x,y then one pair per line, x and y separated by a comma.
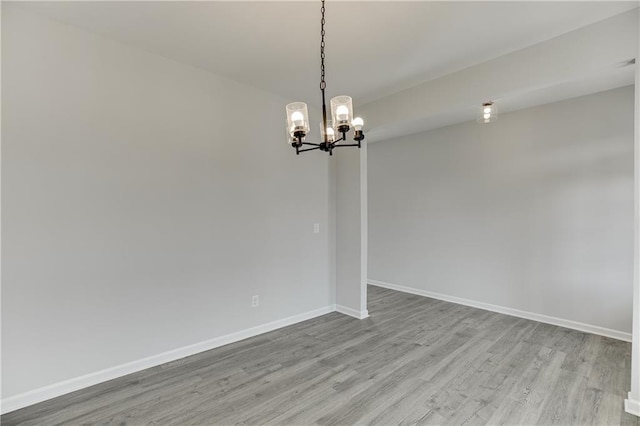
x,y
583,85
373,48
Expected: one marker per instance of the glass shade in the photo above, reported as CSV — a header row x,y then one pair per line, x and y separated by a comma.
x,y
341,111
297,119
331,134
487,113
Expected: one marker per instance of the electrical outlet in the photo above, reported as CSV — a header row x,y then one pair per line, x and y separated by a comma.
x,y
316,228
255,301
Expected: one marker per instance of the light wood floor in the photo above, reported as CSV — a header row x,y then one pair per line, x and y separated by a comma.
x,y
414,361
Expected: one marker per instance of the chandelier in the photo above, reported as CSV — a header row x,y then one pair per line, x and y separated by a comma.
x,y
341,116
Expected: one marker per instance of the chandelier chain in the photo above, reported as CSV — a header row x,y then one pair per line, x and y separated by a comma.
x,y
323,84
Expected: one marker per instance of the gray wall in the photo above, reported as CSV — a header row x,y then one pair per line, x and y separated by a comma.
x,y
144,203
534,212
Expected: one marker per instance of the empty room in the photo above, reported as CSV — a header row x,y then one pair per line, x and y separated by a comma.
x,y
320,212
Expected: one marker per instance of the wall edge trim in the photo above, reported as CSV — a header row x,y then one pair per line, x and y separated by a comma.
x,y
352,312
632,406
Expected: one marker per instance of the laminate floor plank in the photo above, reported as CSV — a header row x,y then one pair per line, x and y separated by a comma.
x,y
414,361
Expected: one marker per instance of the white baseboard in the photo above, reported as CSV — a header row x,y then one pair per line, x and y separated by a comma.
x,y
352,312
57,389
587,328
632,406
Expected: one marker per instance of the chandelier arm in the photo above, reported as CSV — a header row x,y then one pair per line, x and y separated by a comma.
x,y
346,144
308,149
310,143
